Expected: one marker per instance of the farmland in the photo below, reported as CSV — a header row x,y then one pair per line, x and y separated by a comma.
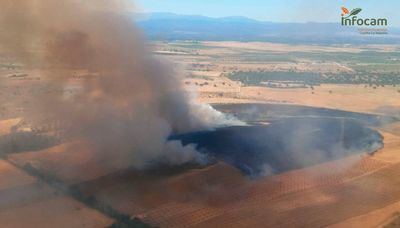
x,y
257,82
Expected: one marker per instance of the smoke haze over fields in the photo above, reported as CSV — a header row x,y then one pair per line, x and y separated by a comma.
x,y
135,101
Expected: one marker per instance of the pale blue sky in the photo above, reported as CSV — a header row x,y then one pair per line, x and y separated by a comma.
x,y
277,10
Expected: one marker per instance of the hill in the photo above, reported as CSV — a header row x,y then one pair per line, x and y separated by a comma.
x,y
168,26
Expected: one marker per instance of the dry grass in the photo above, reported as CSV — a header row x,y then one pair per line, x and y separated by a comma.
x,y
346,97
6,125
70,162
11,176
351,192
54,212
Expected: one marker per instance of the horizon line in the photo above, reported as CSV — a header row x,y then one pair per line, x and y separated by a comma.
x,y
245,17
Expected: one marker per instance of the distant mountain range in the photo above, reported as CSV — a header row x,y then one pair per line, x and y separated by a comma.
x,y
168,26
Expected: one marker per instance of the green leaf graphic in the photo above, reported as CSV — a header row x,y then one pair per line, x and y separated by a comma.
x,y
354,12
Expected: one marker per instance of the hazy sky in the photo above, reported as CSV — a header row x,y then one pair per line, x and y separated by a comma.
x,y
277,10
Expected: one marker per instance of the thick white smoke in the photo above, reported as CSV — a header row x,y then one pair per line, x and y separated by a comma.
x,y
134,102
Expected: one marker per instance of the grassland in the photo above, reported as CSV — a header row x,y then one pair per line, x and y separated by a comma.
x,y
351,192
336,76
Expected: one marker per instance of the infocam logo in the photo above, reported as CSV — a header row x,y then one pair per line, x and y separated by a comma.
x,y
349,18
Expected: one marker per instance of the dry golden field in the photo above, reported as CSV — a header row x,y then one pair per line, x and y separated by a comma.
x,y
356,191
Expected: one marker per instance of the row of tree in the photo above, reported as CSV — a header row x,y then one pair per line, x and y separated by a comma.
x,y
309,78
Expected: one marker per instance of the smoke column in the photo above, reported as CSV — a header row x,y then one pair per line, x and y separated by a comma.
x,y
134,102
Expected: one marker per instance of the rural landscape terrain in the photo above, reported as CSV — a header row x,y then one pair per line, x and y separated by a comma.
x,y
235,77
336,105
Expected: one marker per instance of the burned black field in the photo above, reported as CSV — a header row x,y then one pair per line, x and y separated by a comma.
x,y
289,142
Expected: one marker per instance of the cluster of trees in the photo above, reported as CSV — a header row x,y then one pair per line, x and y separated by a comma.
x,y
362,78
259,77
306,78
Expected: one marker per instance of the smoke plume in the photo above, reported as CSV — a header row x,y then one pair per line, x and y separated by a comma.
x,y
132,102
